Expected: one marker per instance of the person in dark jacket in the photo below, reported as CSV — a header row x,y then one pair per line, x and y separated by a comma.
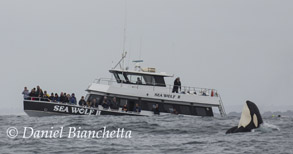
x,y
33,94
105,103
56,98
137,108
125,108
51,97
66,98
156,109
72,99
39,92
138,81
62,97
177,85
114,104
82,101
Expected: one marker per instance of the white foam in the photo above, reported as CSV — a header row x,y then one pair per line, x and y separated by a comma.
x,y
266,127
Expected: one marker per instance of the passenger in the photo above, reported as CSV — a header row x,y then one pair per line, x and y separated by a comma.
x,y
89,103
65,95
105,103
156,109
82,101
26,93
33,94
62,97
94,103
177,85
175,111
45,97
72,99
114,104
138,81
51,97
45,93
216,94
39,92
67,98
56,98
137,108
125,108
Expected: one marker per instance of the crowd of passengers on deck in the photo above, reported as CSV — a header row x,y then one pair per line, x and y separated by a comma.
x,y
37,94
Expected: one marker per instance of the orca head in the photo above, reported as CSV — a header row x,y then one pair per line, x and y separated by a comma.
x,y
250,116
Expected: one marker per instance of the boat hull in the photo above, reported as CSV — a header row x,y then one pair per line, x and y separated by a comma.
x,y
43,108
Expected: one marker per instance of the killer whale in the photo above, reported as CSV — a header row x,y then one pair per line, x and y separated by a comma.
x,y
250,119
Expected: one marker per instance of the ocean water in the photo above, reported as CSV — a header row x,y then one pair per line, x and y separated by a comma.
x,y
157,134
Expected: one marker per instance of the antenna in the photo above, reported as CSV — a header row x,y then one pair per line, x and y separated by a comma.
x,y
124,53
140,48
129,53
124,33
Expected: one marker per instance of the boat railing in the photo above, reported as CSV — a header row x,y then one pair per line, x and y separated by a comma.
x,y
45,100
184,89
38,99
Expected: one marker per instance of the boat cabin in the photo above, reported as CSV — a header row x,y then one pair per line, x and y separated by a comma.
x,y
147,77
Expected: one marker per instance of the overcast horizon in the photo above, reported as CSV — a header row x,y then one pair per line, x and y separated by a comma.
x,y
241,48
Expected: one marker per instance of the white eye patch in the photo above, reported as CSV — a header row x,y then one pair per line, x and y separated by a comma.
x,y
255,122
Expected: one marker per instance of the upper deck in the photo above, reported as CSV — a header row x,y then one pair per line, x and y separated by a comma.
x,y
187,95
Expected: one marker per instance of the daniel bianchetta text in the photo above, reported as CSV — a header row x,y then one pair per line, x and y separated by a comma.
x,y
74,132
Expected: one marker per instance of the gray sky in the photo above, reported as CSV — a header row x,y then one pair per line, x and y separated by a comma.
x,y
242,48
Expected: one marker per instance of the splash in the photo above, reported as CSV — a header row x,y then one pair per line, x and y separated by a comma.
x,y
266,127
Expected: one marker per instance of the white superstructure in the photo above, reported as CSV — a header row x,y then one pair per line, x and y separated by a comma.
x,y
151,89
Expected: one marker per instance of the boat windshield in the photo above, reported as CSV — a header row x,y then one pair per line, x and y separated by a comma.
x,y
139,79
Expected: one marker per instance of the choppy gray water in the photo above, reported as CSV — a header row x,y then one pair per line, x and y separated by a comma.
x,y
158,134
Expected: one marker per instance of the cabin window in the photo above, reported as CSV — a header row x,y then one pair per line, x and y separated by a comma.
x,y
168,108
201,111
185,109
193,112
135,79
209,111
149,106
121,77
117,77
149,79
131,104
123,102
97,97
160,81
132,78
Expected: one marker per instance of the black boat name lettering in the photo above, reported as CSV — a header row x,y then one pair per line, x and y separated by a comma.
x,y
166,95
